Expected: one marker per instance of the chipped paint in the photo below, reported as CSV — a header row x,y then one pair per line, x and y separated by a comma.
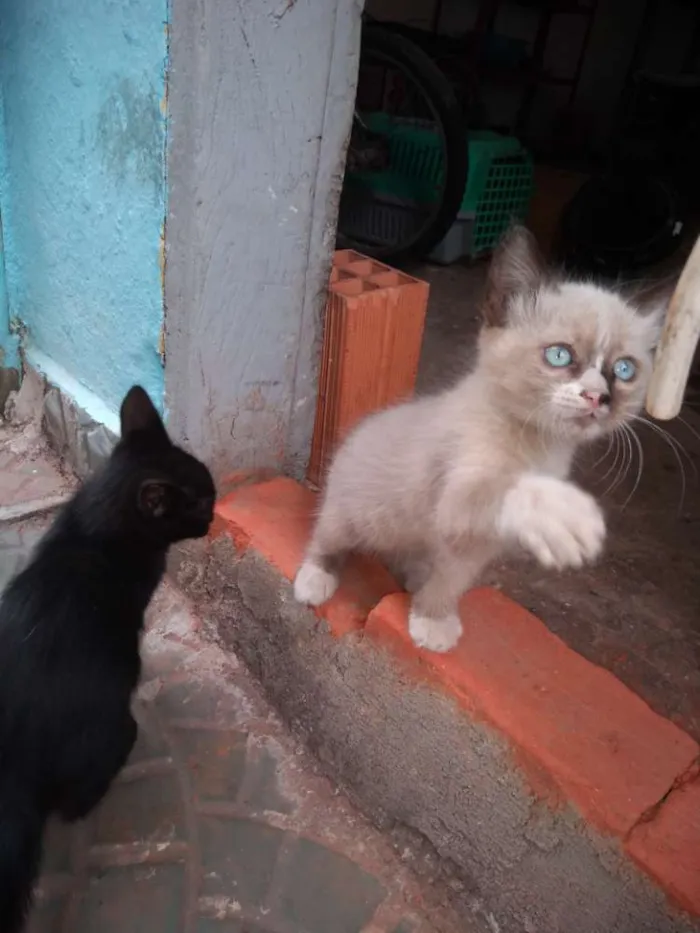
x,y
7,339
282,11
219,907
161,258
166,73
162,253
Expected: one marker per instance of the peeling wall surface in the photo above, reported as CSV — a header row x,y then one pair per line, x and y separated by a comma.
x,y
83,187
7,351
8,342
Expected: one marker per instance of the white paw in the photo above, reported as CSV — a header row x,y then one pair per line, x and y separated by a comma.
x,y
434,634
559,524
314,585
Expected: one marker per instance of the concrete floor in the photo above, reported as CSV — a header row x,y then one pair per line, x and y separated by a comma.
x,y
636,612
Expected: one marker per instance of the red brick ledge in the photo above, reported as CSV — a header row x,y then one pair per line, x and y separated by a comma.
x,y
581,735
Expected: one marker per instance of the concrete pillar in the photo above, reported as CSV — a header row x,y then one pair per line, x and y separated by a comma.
x,y
260,99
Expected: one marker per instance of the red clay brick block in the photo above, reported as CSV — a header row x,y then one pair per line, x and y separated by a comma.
x,y
371,344
668,846
275,519
605,749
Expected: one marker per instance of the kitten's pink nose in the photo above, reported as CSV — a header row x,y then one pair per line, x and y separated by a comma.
x,y
595,399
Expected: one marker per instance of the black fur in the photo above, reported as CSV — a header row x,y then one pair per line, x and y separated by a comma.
x,y
69,639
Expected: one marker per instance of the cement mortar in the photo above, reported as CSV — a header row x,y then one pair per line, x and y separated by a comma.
x,y
420,767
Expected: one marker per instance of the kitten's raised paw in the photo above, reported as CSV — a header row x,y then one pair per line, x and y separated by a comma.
x,y
560,524
434,634
313,585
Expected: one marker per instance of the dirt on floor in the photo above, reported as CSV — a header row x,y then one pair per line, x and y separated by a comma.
x,y
636,612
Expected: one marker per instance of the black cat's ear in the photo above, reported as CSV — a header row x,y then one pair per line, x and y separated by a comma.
x,y
516,268
155,499
138,413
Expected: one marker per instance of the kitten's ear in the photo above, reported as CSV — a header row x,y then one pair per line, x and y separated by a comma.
x,y
138,413
516,268
155,499
653,319
652,300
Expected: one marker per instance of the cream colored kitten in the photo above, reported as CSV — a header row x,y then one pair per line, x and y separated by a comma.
x,y
442,485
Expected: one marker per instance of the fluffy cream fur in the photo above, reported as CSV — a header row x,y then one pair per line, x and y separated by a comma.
x,y
439,486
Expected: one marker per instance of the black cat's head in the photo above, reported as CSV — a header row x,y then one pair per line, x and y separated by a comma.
x,y
165,494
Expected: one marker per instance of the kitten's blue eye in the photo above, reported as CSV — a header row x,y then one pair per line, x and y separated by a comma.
x,y
625,369
558,356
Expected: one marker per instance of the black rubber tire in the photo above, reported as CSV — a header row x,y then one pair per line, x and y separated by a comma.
x,y
438,90
591,241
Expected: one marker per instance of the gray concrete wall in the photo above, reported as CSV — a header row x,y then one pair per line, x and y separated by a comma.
x,y
261,98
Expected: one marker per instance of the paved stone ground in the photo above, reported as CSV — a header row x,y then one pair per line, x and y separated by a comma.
x,y
220,823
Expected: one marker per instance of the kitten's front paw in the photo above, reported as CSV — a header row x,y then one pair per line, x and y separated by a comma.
x,y
554,520
434,634
313,585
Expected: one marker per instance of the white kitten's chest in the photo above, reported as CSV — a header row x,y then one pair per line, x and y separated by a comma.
x,y
554,462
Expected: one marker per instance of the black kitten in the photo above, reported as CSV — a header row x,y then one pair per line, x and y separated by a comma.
x,y
69,638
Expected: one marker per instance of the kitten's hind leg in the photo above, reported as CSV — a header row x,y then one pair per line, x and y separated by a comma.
x,y
90,764
433,621
319,575
412,571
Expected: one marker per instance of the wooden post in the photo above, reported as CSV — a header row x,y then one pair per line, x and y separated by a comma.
x,y
678,344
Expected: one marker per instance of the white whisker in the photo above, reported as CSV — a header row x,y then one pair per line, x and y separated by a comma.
x,y
534,414
640,455
624,465
689,426
677,449
618,450
605,454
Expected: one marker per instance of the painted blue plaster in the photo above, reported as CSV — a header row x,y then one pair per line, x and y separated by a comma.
x,y
9,343
9,356
84,193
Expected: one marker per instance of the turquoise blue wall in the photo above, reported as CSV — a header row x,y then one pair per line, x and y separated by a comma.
x,y
8,343
82,185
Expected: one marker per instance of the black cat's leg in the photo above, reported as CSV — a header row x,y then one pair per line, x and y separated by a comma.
x,y
90,764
